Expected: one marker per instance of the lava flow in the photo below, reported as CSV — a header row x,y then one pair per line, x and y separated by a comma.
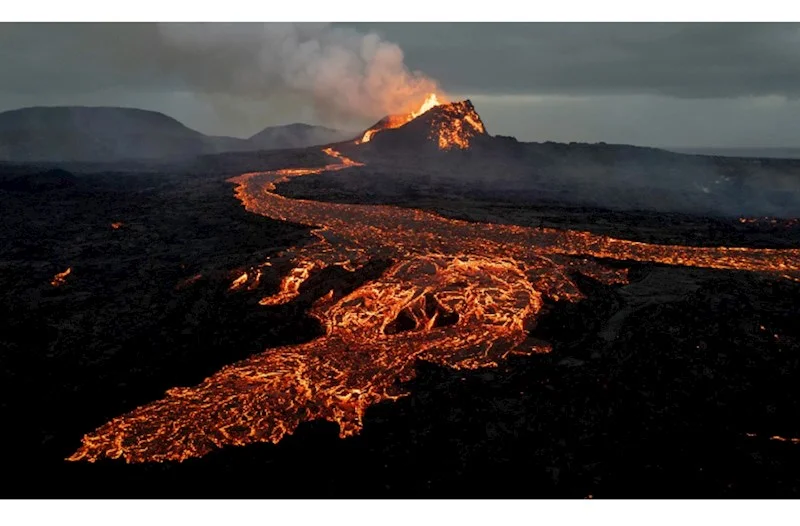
x,y
459,294
60,278
772,221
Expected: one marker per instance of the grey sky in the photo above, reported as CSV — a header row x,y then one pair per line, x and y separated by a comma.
x,y
658,84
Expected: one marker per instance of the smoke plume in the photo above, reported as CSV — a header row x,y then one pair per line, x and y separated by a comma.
x,y
343,73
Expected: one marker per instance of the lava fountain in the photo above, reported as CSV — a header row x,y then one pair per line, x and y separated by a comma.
x,y
395,121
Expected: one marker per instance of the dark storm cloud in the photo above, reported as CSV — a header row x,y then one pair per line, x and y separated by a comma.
x,y
682,60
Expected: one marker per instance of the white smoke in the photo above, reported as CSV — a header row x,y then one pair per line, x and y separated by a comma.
x,y
343,73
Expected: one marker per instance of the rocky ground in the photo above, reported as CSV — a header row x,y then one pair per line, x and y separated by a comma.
x,y
671,386
470,200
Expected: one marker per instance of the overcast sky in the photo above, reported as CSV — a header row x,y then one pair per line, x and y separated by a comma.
x,y
649,84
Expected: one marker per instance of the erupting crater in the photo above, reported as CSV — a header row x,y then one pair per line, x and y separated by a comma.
x,y
448,125
460,294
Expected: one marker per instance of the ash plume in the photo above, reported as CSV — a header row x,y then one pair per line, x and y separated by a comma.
x,y
343,73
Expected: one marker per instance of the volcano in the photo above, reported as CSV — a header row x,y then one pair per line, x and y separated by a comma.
x,y
447,126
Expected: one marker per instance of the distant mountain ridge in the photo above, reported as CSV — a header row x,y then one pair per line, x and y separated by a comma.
x,y
110,134
296,136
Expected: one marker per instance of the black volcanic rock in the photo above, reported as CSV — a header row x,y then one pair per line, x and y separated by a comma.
x,y
36,182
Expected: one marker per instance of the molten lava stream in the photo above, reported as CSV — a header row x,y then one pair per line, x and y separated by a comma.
x,y
60,278
459,294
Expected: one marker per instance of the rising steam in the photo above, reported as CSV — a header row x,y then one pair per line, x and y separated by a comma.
x,y
345,74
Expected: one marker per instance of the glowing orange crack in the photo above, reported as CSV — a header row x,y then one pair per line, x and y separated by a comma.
x,y
61,278
238,282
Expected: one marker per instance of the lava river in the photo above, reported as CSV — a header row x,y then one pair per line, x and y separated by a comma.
x,y
459,294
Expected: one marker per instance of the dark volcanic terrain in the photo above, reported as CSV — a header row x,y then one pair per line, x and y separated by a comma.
x,y
682,383
451,197
608,176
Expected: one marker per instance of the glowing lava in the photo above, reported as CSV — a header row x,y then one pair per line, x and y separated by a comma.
x,y
777,438
455,126
773,221
290,285
61,278
448,125
188,281
395,121
464,295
